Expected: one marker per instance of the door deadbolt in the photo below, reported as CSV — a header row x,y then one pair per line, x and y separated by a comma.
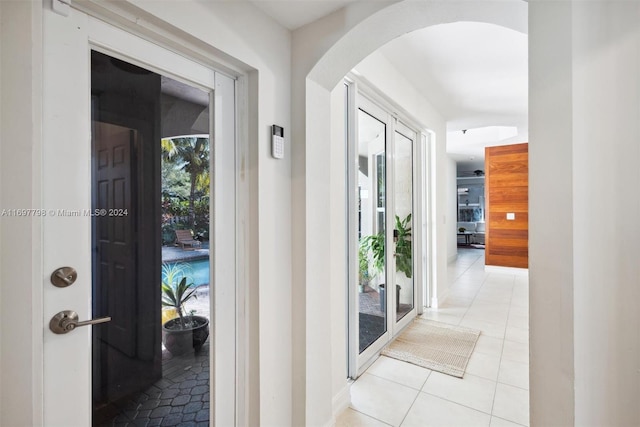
x,y
64,276
67,321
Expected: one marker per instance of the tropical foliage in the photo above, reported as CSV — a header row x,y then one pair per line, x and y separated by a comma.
x,y
375,244
364,276
402,233
185,185
176,289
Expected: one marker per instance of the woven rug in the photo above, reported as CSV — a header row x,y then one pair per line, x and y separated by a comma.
x,y
434,345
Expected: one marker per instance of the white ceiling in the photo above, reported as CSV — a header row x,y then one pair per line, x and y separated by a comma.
x,y
474,73
293,14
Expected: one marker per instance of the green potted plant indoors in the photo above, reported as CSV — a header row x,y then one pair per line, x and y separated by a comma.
x,y
375,245
186,332
403,252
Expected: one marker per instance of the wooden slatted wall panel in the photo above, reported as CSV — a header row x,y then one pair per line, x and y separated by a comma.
x,y
507,190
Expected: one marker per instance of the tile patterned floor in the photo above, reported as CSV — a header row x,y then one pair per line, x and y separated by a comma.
x,y
180,398
495,388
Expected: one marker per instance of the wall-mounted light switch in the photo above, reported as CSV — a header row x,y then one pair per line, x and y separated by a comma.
x,y
511,216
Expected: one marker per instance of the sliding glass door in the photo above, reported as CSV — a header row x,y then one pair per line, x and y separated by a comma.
x,y
381,177
371,229
403,221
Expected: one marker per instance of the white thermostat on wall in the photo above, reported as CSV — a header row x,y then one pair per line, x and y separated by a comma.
x,y
277,141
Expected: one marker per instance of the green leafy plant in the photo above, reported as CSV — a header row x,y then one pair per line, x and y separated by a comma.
x,y
364,276
185,169
375,245
402,233
176,290
403,255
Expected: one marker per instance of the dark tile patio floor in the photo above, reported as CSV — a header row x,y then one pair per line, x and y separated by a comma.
x,y
370,304
371,317
180,398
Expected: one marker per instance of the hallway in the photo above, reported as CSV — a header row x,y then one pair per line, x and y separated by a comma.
x,y
495,388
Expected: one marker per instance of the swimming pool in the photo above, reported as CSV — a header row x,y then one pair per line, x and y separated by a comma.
x,y
197,270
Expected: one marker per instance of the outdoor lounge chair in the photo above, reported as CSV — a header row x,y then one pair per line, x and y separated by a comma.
x,y
185,238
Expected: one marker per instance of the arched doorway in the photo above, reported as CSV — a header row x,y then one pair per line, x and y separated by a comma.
x,y
321,60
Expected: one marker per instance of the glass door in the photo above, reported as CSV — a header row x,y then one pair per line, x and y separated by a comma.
x,y
381,180
107,125
371,161
403,202
156,293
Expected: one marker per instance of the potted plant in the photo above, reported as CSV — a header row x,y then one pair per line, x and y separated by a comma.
x,y
403,253
187,331
375,245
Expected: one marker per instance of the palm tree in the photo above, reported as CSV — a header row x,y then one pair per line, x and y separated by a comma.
x,y
191,154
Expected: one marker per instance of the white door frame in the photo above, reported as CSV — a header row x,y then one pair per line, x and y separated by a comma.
x,y
369,102
66,130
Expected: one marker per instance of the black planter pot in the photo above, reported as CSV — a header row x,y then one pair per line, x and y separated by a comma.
x,y
180,341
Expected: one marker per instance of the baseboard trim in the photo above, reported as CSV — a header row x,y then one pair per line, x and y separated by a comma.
x,y
506,270
452,258
341,401
331,423
434,302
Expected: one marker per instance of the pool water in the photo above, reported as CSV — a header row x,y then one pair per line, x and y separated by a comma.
x,y
196,270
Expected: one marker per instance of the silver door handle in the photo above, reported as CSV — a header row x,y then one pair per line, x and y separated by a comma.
x,y
67,321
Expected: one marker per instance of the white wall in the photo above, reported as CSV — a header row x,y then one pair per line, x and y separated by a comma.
x,y
337,286
2,35
314,387
606,85
452,211
551,275
20,261
584,287
1,204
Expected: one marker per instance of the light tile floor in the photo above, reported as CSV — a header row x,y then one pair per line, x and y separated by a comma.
x,y
495,388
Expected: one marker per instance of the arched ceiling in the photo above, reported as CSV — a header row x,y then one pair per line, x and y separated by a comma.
x,y
468,58
474,73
